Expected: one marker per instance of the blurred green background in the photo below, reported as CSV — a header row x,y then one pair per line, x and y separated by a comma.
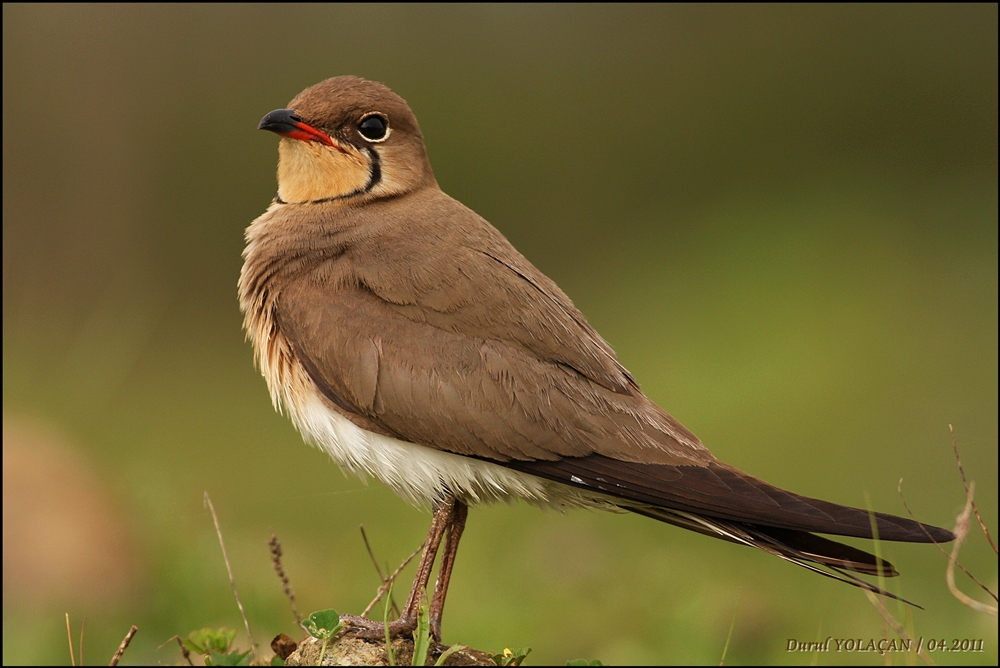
x,y
783,218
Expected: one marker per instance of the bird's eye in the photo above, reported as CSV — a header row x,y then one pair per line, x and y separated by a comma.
x,y
374,127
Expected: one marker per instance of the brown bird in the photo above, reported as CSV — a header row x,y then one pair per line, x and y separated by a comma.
x,y
407,338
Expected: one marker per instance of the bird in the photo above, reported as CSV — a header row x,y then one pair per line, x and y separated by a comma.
x,y
408,339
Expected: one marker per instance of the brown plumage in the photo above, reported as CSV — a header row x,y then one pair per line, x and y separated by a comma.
x,y
410,340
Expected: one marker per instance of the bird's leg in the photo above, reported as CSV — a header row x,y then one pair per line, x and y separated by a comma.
x,y
443,513
407,622
455,529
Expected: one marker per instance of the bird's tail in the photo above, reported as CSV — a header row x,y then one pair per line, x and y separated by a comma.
x,y
819,555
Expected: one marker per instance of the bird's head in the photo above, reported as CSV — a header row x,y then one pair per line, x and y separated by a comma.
x,y
347,139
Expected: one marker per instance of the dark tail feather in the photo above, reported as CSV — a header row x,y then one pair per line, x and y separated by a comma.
x,y
829,552
819,555
720,501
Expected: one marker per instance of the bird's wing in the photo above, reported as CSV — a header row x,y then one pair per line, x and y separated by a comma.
x,y
435,328
479,397
451,269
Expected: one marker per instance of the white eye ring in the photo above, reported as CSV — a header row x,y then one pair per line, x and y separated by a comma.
x,y
384,122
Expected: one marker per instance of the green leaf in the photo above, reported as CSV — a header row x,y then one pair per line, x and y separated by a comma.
x,y
390,654
422,634
584,662
230,659
205,641
323,625
509,658
448,652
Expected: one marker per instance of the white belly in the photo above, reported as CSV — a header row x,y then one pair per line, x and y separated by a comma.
x,y
422,474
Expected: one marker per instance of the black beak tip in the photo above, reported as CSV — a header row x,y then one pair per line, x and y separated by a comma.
x,y
281,121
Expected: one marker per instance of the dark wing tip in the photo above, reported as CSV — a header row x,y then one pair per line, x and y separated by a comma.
x,y
932,534
723,492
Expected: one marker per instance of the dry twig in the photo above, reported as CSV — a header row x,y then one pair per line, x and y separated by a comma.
x,y
232,581
371,553
184,651
943,551
276,553
390,579
952,558
69,636
121,648
968,492
961,531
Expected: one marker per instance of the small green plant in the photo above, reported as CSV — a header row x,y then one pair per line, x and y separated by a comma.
x,y
390,655
216,646
584,662
510,658
323,625
422,638
448,652
422,634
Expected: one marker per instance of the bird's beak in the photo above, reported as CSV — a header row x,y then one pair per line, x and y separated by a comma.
x,y
285,123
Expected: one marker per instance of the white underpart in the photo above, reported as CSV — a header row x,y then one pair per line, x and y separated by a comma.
x,y
422,474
